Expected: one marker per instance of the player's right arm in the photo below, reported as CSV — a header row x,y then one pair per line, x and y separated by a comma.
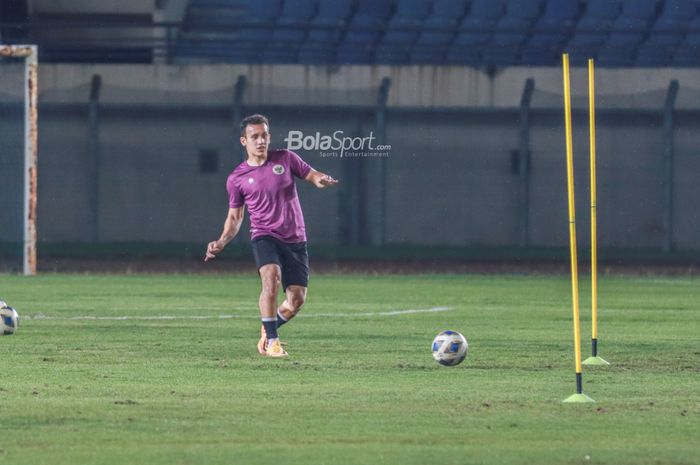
x,y
232,225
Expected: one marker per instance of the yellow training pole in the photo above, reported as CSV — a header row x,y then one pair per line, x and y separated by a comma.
x,y
593,359
579,396
594,233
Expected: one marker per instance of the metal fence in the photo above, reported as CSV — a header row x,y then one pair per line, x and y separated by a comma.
x,y
155,171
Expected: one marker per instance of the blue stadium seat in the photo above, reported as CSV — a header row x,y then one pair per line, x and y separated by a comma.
x,y
203,15
218,3
371,16
279,53
670,27
442,22
325,30
316,53
511,31
593,29
617,55
555,25
389,54
426,55
408,18
686,55
513,28
352,53
263,14
477,27
413,9
331,16
688,51
629,28
550,33
628,32
463,32
463,55
667,32
692,39
503,56
542,56
296,14
237,52
595,24
448,9
654,54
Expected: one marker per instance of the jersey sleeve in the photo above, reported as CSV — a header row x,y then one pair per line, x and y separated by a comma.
x,y
299,167
235,196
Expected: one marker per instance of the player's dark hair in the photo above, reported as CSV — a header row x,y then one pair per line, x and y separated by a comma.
x,y
253,119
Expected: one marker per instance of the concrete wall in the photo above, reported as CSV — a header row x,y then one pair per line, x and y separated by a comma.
x,y
449,178
411,85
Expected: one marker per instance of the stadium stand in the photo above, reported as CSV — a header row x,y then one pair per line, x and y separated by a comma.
x,y
628,32
511,31
477,33
403,30
550,32
593,28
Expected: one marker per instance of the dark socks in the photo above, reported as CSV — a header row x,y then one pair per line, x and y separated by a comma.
x,y
270,325
280,319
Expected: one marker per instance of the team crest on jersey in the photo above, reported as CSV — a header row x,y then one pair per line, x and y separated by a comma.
x,y
278,169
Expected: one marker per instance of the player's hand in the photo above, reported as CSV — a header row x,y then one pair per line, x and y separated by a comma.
x,y
213,248
325,181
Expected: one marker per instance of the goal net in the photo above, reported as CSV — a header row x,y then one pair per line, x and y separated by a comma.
x,y
18,158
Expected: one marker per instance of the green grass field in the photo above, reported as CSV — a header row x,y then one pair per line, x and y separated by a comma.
x,y
360,386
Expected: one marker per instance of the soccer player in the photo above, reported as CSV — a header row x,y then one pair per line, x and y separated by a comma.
x,y
265,184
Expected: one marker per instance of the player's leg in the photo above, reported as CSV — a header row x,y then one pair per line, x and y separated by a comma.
x,y
295,298
295,280
267,258
270,275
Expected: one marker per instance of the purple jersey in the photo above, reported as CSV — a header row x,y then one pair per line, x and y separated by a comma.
x,y
271,196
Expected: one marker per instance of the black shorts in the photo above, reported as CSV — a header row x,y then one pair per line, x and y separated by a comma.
x,y
293,259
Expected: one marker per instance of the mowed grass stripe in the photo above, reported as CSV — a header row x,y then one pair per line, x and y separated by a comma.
x,y
355,390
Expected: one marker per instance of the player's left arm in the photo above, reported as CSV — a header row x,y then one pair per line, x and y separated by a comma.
x,y
319,179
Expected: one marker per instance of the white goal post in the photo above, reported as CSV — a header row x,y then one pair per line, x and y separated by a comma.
x,y
29,53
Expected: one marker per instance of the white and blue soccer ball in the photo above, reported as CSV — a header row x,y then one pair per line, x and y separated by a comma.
x,y
9,319
450,348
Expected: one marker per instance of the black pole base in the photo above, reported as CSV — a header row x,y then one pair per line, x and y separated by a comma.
x,y
579,383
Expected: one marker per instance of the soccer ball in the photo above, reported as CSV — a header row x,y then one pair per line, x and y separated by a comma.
x,y
9,319
450,348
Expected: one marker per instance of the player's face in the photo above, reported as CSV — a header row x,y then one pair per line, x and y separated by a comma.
x,y
256,140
